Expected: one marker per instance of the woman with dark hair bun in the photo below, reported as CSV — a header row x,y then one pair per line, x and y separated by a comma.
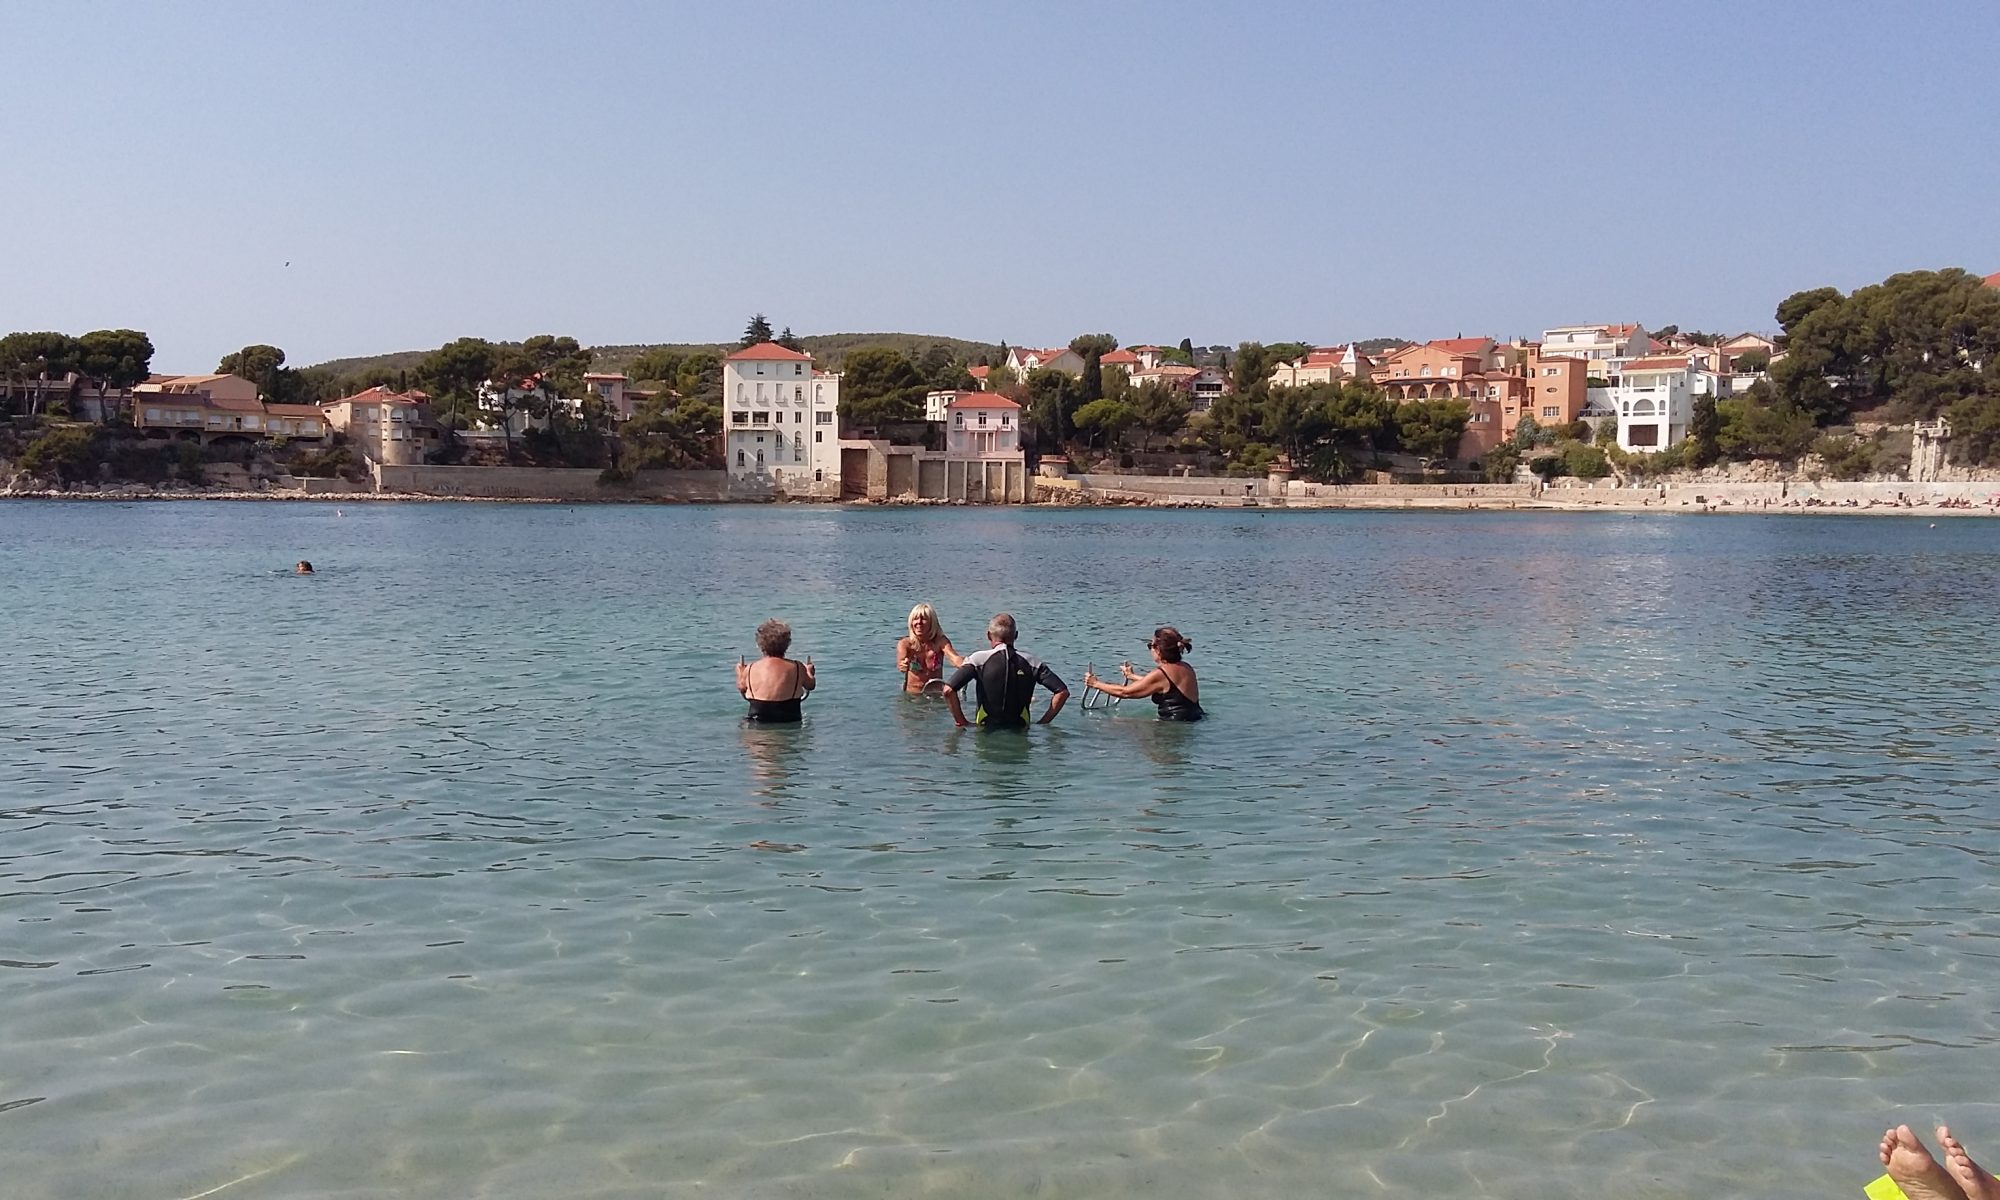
x,y
1171,683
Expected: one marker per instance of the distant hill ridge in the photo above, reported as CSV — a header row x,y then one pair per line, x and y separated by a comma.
x,y
827,350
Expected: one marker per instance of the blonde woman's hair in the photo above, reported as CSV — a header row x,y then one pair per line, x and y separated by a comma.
x,y
925,610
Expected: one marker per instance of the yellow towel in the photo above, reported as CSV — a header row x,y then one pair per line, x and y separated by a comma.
x,y
1884,1189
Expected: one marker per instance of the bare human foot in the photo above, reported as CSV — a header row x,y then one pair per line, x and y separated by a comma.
x,y
1910,1164
1976,1180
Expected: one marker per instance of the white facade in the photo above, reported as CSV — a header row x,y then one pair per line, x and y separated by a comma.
x,y
780,419
1060,358
1604,347
1654,399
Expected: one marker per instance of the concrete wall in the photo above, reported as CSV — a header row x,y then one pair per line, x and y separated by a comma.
x,y
878,470
1369,492
307,486
549,483
1170,485
1776,495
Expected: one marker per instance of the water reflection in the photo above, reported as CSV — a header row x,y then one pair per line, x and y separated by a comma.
x,y
777,755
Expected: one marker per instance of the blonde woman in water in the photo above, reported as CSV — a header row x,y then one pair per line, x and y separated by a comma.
x,y
922,653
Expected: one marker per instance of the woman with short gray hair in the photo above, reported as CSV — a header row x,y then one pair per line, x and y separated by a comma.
x,y
774,685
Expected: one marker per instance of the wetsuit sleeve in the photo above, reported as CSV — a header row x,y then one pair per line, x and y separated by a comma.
x,y
966,672
1049,679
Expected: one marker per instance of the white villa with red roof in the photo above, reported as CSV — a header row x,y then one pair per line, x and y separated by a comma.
x,y
1134,358
1322,364
1022,360
1604,347
780,420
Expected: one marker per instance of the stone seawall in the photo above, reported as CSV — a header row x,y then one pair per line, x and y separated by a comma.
x,y
550,483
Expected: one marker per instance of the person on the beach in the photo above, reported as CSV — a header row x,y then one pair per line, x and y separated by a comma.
x,y
774,684
1005,680
304,567
1922,1177
1171,683
922,653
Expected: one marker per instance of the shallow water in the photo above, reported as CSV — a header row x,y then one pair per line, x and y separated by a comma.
x,y
1542,855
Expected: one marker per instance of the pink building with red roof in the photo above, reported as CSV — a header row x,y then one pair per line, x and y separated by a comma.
x,y
976,424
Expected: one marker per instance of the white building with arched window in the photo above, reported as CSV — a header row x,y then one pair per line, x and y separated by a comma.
x,y
1654,399
780,421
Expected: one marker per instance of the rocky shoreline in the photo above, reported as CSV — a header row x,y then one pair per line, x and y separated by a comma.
x,y
1784,498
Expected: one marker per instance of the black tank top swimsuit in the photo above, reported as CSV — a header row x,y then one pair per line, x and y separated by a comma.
x,y
1174,706
780,712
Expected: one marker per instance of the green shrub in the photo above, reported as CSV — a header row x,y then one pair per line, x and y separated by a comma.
x,y
1500,464
1585,462
1845,457
1548,466
189,466
66,452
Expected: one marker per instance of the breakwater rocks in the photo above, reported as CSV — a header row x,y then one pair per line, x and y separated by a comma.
x,y
25,487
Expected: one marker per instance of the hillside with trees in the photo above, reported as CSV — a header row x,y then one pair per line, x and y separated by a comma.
x,y
828,351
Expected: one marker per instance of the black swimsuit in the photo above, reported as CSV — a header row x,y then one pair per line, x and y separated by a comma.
x,y
779,712
1173,705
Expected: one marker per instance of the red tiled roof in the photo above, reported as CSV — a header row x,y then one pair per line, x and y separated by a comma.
x,y
980,400
1669,363
1993,280
380,394
295,410
979,372
768,352
1119,358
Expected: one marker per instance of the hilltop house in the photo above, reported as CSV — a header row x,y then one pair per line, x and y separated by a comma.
x,y
1203,385
1604,347
214,408
1322,364
1134,358
386,426
1022,360
616,393
780,420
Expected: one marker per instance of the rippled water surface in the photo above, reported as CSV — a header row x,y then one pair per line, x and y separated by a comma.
x,y
1524,856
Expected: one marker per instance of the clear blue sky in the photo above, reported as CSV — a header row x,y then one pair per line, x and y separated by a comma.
x,y
643,172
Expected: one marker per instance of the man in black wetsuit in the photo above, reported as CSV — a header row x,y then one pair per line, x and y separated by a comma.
x,y
1005,679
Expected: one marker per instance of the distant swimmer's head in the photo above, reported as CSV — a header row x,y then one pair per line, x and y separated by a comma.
x,y
1168,643
774,638
304,567
1001,629
924,623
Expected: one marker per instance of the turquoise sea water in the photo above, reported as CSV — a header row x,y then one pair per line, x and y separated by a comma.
x,y
1524,856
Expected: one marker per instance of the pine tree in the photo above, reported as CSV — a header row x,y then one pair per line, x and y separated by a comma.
x,y
789,342
758,331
